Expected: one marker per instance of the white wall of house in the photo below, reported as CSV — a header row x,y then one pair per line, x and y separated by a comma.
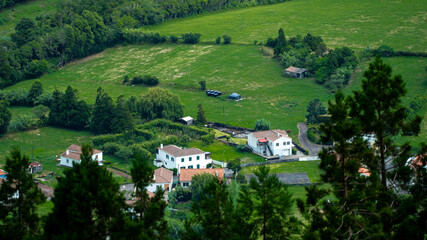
x,y
189,161
153,187
69,162
280,147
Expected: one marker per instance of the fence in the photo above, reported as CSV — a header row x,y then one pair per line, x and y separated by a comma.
x,y
309,158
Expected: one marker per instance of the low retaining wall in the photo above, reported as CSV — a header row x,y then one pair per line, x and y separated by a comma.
x,y
269,162
309,158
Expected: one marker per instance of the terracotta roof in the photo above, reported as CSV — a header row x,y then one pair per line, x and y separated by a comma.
x,y
187,174
163,175
271,135
295,70
364,171
418,160
75,151
34,164
2,172
179,152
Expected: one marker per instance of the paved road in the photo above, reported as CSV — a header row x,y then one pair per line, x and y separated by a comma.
x,y
314,149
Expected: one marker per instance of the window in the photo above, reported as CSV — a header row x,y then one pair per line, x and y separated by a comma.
x,y
167,156
67,160
173,159
189,159
182,159
198,166
289,143
185,184
182,167
198,157
277,144
284,143
190,167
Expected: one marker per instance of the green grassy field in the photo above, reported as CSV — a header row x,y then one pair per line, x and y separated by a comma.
x,y
353,23
310,167
29,9
229,68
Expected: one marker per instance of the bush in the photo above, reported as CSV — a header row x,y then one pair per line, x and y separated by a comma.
x,y
21,123
227,39
385,51
202,85
125,153
191,38
218,40
174,39
36,68
207,139
110,148
242,148
294,151
146,79
126,79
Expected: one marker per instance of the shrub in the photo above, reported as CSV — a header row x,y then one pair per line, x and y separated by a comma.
x,y
385,51
242,148
125,153
218,40
255,42
126,79
294,151
110,148
174,39
227,39
262,124
21,123
36,68
146,79
191,38
207,139
202,85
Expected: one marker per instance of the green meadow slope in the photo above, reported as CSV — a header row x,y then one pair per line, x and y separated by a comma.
x,y
353,23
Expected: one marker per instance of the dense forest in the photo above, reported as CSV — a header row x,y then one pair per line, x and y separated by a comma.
x,y
81,28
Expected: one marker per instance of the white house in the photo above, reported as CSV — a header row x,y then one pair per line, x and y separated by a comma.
x,y
271,143
186,175
163,178
171,156
72,154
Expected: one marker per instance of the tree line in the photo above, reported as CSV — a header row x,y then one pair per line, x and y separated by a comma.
x,y
81,28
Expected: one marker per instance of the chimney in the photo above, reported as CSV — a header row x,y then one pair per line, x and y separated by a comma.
x,y
67,152
161,145
216,173
154,177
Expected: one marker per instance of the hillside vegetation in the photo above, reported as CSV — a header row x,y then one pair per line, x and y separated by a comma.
x,y
353,23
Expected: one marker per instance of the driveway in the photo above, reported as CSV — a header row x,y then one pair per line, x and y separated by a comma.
x,y
314,149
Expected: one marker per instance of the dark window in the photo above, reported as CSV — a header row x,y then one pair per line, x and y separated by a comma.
x,y
182,167
277,144
190,167
198,157
173,159
198,166
167,156
189,159
182,159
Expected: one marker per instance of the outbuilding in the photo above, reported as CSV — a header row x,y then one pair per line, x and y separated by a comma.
x,y
234,96
187,120
295,72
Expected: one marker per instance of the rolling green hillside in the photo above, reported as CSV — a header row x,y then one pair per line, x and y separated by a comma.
x,y
353,23
29,9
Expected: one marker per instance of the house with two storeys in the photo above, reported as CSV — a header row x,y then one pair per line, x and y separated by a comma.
x,y
172,156
271,143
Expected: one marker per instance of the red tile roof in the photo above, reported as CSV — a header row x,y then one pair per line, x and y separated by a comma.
x,y
2,172
75,151
364,171
163,175
271,135
187,174
179,152
34,164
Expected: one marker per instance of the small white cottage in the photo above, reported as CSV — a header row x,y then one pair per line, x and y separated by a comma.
x,y
271,142
163,178
172,156
72,154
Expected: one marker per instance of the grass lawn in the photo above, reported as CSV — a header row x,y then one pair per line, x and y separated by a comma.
x,y
310,167
19,111
353,23
229,68
45,208
29,9
217,148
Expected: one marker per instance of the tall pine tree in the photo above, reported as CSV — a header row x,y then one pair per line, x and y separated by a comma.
x,y
19,197
122,120
103,113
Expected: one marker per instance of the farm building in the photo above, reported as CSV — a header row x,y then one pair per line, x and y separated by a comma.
x,y
186,175
271,143
234,96
171,156
187,120
72,154
295,72
35,167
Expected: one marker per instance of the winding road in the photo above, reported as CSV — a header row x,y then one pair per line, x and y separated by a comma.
x,y
314,149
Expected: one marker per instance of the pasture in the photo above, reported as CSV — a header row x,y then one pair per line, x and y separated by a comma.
x,y
29,9
353,23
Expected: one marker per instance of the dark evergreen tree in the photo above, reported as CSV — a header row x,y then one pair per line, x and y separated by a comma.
x,y
214,210
35,92
103,113
378,107
19,197
87,202
281,43
271,204
201,117
147,221
5,117
67,111
315,109
122,120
